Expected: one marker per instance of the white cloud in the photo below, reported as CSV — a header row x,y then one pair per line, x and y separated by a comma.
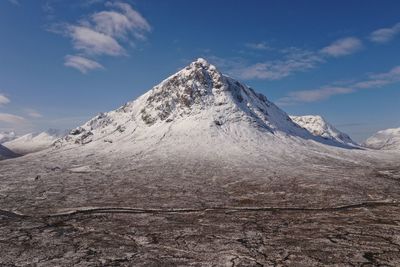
x,y
111,23
343,47
4,100
81,63
11,119
102,33
372,81
385,35
93,42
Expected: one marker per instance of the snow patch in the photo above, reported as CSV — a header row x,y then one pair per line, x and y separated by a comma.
x,y
81,169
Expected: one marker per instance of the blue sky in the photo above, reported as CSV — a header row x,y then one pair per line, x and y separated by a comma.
x,y
64,61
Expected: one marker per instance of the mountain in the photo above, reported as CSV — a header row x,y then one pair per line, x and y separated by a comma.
x,y
197,111
5,153
34,142
318,126
388,139
7,136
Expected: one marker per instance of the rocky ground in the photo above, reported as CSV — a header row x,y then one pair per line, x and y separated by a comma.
x,y
164,212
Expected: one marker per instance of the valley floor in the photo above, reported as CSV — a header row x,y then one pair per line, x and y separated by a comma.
x,y
163,212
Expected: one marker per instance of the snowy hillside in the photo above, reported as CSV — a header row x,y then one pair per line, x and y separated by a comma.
x,y
34,142
318,126
7,136
388,139
196,111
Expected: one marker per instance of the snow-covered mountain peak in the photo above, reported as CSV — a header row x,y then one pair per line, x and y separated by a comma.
x,y
201,90
318,126
201,62
197,88
196,104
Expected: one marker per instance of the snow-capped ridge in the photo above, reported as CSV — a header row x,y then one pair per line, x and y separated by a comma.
x,y
318,126
388,139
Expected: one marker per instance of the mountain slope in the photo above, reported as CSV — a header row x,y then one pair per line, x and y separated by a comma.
x,y
388,139
34,142
318,126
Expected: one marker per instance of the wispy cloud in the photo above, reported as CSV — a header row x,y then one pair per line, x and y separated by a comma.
x,y
385,35
343,47
121,22
4,100
11,119
107,32
294,60
377,80
278,69
14,2
258,46
33,113
306,96
81,63
91,2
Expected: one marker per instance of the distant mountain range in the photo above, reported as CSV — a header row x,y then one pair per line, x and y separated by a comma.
x,y
7,136
32,142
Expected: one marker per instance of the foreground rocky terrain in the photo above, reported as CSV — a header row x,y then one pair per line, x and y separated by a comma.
x,y
161,212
